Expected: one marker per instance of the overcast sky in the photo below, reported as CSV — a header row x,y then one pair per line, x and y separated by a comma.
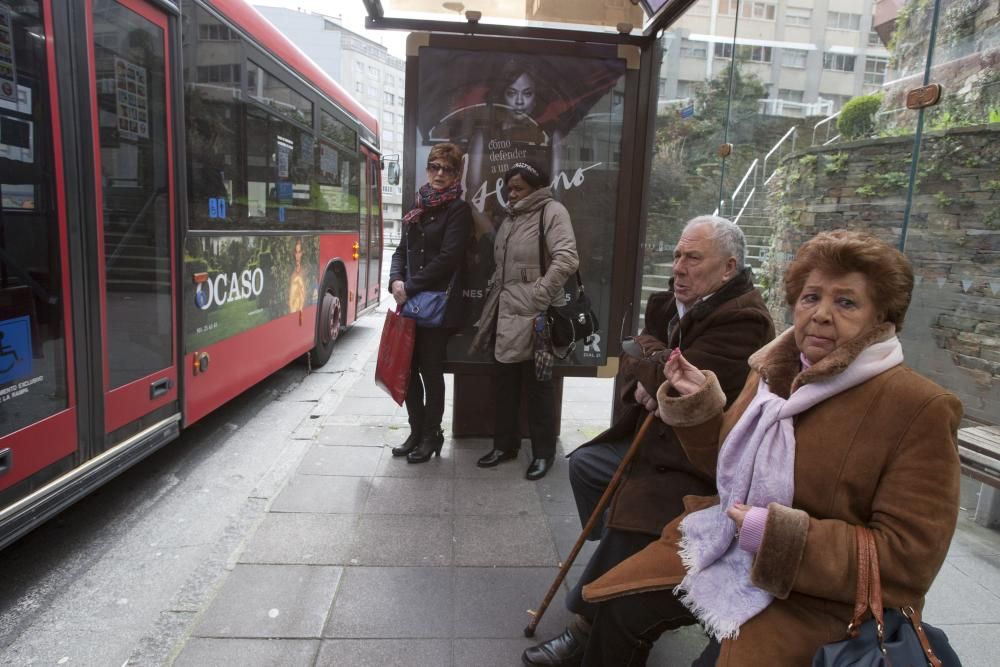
x,y
353,14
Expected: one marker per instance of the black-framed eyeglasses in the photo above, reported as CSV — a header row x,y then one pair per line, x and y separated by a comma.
x,y
434,167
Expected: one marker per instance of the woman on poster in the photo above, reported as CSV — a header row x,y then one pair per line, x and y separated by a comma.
x,y
429,258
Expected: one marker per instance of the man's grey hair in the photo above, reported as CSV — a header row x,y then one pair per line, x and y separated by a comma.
x,y
727,233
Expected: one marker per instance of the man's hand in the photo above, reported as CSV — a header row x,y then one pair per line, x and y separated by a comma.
x,y
399,292
643,398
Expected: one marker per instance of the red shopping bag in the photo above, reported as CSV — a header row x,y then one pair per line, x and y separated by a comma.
x,y
395,351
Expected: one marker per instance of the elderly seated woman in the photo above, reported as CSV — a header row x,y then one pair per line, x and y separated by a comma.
x,y
831,431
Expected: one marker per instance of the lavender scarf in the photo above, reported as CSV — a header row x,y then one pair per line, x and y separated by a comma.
x,y
756,466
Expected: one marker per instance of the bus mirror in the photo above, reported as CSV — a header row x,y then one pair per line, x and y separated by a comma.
x,y
387,160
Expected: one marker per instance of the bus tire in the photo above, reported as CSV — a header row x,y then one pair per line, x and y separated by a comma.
x,y
329,320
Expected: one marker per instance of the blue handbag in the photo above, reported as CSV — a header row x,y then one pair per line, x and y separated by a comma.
x,y
427,308
892,637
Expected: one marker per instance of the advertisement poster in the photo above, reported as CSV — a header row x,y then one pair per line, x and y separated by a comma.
x,y
233,284
562,112
8,70
133,101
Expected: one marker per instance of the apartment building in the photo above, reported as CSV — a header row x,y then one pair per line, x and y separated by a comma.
x,y
367,70
812,55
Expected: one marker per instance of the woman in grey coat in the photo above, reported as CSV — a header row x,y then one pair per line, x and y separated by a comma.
x,y
520,292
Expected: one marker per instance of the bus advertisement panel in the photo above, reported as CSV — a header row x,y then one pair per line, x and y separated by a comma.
x,y
563,113
240,282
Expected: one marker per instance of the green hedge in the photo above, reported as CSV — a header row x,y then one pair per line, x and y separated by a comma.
x,y
857,117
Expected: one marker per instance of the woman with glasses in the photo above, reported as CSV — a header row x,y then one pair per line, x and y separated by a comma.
x,y
528,278
429,258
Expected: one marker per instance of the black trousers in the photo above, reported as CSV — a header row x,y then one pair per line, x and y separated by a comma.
x,y
590,471
425,395
625,629
541,399
628,629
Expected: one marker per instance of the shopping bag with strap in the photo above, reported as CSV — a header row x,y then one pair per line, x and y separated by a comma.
x,y
395,351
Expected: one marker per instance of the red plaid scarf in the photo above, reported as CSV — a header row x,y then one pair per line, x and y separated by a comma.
x,y
428,197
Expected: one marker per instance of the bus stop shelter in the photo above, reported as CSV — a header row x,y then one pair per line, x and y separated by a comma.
x,y
569,84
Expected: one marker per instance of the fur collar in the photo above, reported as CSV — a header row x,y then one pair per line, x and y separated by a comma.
x,y
778,361
738,285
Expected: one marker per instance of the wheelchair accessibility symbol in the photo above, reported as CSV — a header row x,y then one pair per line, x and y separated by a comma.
x,y
15,349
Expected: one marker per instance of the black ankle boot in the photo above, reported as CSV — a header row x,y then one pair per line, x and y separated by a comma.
x,y
429,445
409,445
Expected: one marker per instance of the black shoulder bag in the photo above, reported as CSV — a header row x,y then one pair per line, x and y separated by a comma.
x,y
576,319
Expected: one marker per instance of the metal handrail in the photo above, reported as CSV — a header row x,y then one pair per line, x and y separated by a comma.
x,y
745,203
792,131
830,141
822,122
753,165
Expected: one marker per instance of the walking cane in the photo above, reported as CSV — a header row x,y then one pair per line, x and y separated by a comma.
x,y
536,616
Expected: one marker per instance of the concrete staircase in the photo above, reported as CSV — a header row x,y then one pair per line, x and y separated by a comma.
x,y
756,226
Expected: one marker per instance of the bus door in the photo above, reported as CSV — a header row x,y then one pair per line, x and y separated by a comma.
x,y
135,200
38,420
374,231
364,256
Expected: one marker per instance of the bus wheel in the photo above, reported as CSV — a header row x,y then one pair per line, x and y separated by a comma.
x,y
328,321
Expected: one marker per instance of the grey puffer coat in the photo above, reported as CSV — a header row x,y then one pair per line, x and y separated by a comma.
x,y
518,291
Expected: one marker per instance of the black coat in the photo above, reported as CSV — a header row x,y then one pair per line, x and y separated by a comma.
x,y
433,249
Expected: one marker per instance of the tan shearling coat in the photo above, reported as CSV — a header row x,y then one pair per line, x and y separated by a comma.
x,y
882,454
518,290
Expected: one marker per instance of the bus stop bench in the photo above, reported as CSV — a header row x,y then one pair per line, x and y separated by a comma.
x,y
979,453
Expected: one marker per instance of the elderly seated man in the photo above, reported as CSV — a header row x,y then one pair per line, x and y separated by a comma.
x,y
716,317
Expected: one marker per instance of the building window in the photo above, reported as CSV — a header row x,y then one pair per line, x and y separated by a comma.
x,y
798,16
214,32
754,54
359,87
843,21
794,58
728,7
663,86
691,49
758,10
389,98
373,72
387,118
360,66
700,8
789,95
838,62
875,70
874,39
685,89
218,73
388,135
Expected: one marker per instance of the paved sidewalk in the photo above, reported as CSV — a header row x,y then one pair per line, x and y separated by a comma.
x,y
361,559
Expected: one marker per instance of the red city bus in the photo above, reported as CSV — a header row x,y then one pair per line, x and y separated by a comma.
x,y
188,204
